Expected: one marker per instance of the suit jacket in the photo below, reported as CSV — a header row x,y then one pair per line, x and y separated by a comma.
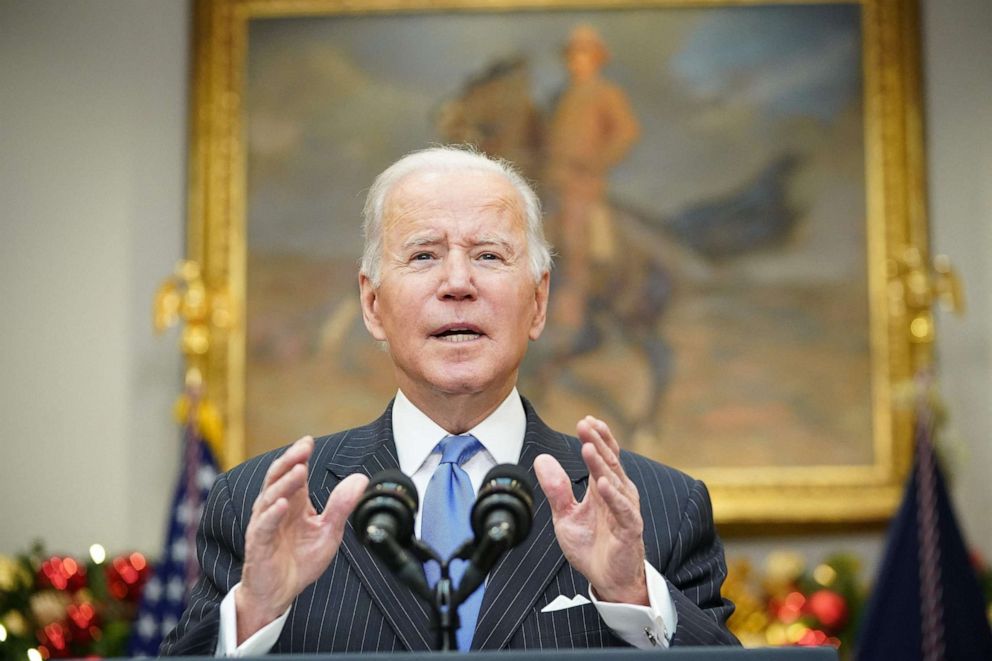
x,y
358,606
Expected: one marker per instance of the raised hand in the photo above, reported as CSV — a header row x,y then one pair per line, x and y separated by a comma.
x,y
287,543
601,536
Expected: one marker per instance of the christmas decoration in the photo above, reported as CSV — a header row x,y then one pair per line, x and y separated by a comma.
x,y
126,576
58,606
790,604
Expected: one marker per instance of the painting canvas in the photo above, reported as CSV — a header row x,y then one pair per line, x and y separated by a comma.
x,y
715,307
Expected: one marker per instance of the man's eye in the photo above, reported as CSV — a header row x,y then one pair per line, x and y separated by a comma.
x,y
489,256
422,256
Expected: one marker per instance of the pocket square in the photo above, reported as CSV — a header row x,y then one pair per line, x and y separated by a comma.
x,y
561,602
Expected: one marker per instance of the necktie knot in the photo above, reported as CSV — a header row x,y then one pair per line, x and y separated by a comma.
x,y
458,449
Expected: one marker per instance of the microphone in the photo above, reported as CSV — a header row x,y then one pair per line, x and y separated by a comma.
x,y
383,520
501,519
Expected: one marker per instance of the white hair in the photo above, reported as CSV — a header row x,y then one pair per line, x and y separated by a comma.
x,y
449,159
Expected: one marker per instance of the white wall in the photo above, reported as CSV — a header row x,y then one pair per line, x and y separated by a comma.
x,y
92,183
959,117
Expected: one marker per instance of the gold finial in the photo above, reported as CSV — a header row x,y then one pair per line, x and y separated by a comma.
x,y
185,298
916,286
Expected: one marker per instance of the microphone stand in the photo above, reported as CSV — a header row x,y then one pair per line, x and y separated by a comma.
x,y
446,612
444,601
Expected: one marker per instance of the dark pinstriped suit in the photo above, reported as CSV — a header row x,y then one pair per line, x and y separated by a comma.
x,y
356,605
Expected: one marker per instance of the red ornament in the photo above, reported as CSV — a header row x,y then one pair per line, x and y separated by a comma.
x,y
54,638
790,608
62,574
829,608
126,576
813,638
84,624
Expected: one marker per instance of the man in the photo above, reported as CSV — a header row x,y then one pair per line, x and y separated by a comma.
x,y
591,130
454,280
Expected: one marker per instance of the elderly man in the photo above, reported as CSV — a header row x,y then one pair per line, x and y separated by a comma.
x,y
454,280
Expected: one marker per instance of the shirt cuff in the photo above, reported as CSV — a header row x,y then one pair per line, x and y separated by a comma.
x,y
258,644
643,627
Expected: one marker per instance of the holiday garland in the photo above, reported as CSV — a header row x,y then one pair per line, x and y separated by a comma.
x,y
54,606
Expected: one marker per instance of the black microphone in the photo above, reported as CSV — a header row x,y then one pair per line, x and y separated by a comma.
x,y
501,519
383,520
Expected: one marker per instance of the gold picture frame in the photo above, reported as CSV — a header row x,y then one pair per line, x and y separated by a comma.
x,y
898,329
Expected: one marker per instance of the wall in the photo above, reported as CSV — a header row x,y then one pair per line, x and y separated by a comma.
x,y
959,137
92,179
92,138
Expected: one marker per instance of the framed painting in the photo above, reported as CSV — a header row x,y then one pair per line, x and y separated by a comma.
x,y
726,288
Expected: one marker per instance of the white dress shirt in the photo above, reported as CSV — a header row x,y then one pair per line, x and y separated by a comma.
x,y
502,436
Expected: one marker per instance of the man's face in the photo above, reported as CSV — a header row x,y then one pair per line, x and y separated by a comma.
x,y
457,302
583,62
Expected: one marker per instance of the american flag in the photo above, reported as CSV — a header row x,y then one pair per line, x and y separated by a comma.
x,y
167,591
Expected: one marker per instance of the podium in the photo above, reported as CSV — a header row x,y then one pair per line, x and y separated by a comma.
x,y
606,654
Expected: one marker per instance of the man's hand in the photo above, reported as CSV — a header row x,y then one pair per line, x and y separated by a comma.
x,y
602,535
287,544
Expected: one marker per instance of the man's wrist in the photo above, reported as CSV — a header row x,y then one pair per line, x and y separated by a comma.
x,y
251,615
635,594
258,644
645,627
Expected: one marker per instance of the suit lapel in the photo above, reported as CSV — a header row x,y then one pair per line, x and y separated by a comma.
x,y
523,574
370,450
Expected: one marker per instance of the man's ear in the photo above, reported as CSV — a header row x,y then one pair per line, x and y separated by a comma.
x,y
541,306
370,307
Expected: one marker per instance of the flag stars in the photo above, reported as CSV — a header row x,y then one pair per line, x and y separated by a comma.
x,y
168,624
153,590
205,477
179,550
184,513
176,589
146,626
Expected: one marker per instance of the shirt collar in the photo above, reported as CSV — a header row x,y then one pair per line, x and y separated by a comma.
x,y
416,435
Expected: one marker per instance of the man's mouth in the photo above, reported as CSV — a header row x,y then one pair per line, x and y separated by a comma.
x,y
457,333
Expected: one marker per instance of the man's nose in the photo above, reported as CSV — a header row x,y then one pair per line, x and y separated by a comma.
x,y
458,281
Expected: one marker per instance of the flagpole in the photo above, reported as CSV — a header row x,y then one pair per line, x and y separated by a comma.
x,y
183,298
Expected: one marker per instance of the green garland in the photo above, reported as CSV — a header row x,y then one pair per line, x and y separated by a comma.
x,y
60,606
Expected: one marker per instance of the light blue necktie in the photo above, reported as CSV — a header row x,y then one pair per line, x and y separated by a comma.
x,y
445,525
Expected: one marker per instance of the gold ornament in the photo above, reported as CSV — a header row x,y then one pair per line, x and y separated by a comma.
x,y
8,573
750,618
825,575
13,575
15,623
48,606
782,569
